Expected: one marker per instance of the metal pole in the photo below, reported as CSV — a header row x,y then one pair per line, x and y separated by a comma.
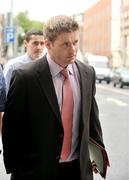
x,y
10,45
11,10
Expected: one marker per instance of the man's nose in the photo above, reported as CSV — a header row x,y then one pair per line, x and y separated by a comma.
x,y
73,48
40,45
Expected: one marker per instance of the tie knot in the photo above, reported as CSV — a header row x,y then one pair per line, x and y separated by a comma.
x,y
64,72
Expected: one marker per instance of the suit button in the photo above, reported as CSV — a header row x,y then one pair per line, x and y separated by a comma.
x,y
61,135
57,157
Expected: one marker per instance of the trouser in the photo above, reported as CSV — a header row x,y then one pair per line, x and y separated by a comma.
x,y
66,170
69,170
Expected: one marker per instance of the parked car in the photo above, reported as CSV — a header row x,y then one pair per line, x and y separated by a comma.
x,y
102,74
111,74
100,64
121,77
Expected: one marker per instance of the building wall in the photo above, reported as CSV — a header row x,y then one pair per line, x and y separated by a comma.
x,y
116,45
102,31
97,29
1,35
125,31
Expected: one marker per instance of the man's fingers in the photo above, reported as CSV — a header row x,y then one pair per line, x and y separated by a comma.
x,y
94,167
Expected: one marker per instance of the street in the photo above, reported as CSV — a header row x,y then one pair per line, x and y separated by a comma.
x,y
114,112
3,175
114,115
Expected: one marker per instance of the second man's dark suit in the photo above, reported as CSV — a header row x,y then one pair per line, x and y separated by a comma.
x,y
32,132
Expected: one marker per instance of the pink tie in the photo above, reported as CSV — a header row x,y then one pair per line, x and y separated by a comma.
x,y
67,115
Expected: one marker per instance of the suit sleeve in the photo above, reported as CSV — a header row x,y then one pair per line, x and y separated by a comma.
x,y
95,125
2,91
13,121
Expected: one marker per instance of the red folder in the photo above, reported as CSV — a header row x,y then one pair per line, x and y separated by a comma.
x,y
99,155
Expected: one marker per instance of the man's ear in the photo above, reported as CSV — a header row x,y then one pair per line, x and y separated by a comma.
x,y
25,43
48,43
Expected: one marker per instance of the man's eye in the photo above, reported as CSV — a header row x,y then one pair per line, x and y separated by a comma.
x,y
36,43
75,43
41,43
66,45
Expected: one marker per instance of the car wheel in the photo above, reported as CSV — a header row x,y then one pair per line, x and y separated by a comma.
x,y
121,85
114,84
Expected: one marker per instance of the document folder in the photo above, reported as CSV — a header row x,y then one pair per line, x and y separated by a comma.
x,y
99,155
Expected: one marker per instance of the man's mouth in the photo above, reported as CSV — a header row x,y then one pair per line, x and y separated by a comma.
x,y
71,57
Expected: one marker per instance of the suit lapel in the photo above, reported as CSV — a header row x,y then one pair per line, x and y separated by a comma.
x,y
47,86
85,91
45,80
84,81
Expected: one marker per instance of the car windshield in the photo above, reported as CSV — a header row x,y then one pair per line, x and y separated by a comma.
x,y
125,72
122,70
98,64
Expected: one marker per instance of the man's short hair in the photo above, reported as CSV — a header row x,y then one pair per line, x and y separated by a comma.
x,y
33,32
59,24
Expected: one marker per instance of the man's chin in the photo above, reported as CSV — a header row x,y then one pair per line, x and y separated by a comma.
x,y
72,60
38,57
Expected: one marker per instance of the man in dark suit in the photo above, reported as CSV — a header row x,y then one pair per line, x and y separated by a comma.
x,y
33,132
2,94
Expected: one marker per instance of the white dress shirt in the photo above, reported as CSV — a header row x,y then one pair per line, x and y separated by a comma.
x,y
12,65
58,79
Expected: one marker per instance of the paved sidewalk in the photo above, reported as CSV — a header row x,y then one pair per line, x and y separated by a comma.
x,y
3,175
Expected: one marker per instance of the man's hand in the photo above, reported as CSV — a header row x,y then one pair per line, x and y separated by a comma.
x,y
1,116
94,167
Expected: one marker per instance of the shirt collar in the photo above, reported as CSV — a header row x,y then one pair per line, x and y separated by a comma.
x,y
55,68
28,57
